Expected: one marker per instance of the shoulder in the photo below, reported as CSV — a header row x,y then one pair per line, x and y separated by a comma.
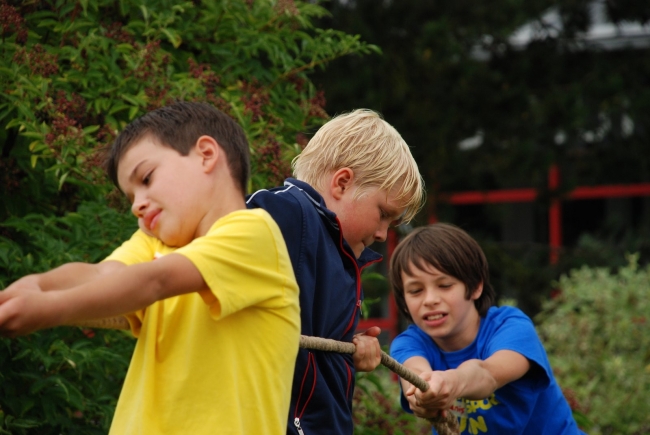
x,y
243,236
507,324
265,197
509,328
507,314
413,341
138,249
245,223
285,204
412,335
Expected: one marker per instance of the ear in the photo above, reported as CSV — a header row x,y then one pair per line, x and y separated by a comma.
x,y
341,182
209,151
478,292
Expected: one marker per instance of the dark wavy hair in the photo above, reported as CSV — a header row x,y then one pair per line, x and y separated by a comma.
x,y
450,250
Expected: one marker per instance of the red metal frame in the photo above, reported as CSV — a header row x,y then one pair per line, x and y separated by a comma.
x,y
554,217
514,195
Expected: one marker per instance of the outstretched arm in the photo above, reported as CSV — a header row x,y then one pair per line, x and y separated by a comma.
x,y
131,288
473,379
65,276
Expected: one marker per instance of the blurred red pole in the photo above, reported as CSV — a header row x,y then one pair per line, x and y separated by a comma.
x,y
554,215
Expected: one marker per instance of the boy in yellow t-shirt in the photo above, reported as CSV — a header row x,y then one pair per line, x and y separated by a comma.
x,y
216,314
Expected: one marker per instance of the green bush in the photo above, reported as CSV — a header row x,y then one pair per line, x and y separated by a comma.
x,y
377,409
72,75
64,380
597,335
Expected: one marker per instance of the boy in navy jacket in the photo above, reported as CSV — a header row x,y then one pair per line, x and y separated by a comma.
x,y
353,180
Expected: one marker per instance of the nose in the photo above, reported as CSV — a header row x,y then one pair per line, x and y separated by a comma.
x,y
431,297
139,206
381,233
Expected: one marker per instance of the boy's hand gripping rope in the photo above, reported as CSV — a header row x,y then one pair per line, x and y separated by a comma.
x,y
444,425
447,425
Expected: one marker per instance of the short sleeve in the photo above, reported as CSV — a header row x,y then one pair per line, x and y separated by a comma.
x,y
513,330
410,343
243,261
140,248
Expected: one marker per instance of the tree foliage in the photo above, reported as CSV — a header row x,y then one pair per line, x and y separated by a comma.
x,y
482,112
64,380
73,73
553,100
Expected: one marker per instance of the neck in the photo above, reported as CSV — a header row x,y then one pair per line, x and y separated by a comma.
x,y
464,336
220,202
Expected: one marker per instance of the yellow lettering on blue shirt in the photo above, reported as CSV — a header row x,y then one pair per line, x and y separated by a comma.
x,y
474,425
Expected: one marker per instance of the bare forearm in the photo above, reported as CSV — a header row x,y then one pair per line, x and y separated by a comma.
x,y
475,381
127,290
133,288
26,311
66,276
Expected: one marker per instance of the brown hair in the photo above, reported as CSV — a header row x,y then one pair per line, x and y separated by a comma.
x,y
179,126
450,250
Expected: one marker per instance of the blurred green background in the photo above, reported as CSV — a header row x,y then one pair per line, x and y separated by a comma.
x,y
490,96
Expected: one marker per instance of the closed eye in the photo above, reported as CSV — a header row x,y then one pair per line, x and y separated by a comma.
x,y
146,180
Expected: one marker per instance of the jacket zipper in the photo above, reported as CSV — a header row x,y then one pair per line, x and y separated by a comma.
x,y
298,415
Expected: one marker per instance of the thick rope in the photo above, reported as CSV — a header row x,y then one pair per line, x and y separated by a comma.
x,y
447,425
107,323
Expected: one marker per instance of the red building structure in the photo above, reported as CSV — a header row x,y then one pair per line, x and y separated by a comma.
x,y
390,324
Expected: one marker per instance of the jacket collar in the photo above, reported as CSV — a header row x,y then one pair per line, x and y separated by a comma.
x,y
367,255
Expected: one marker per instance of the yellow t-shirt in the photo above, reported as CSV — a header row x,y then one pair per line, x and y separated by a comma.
x,y
221,368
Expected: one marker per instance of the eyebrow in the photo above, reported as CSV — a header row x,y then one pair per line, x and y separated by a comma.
x,y
135,170
131,178
394,217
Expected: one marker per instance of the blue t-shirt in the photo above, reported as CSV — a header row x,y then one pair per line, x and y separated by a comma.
x,y
533,404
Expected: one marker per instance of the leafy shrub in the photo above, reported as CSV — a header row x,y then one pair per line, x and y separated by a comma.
x,y
597,335
63,380
72,74
377,410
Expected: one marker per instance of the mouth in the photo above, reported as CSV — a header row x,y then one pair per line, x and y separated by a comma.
x,y
434,320
151,219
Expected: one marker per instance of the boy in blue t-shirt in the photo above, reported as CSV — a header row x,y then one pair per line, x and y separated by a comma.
x,y
484,363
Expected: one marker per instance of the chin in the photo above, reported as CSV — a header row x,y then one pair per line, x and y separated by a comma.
x,y
171,241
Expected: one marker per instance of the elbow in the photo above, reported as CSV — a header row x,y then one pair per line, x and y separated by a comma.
x,y
151,284
157,290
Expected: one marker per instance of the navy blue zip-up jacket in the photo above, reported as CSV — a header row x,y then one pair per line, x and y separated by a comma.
x,y
329,279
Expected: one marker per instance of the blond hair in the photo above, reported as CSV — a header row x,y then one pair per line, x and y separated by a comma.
x,y
362,141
